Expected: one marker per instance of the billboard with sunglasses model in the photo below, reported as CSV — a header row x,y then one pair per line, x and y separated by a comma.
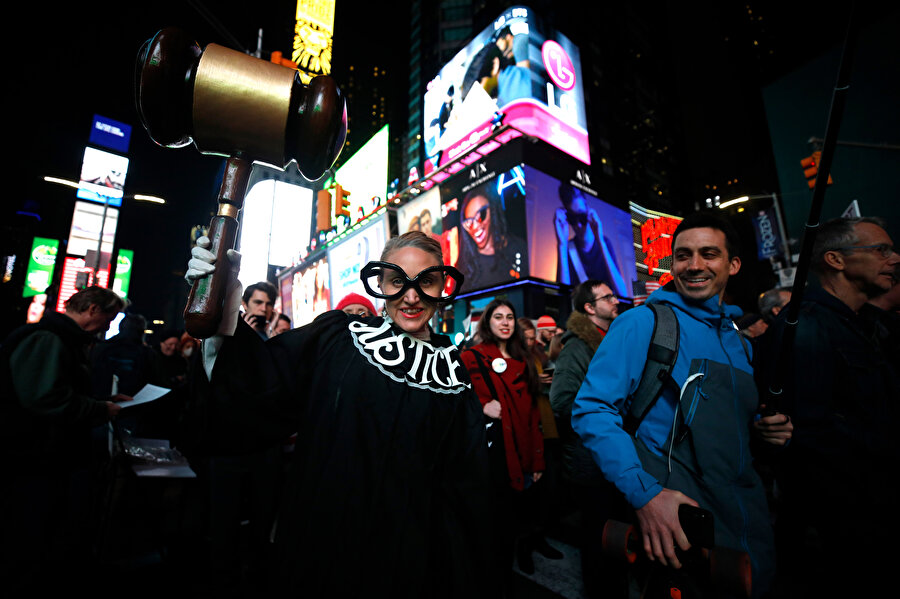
x,y
574,236
483,218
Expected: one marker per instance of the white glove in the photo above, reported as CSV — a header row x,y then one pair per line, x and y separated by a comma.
x,y
202,264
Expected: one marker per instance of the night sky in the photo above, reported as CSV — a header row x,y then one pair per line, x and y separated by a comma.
x,y
72,62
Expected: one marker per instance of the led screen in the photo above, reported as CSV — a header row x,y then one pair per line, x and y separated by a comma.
x,y
484,227
41,262
275,226
122,278
110,134
574,236
87,221
75,276
421,214
365,176
653,242
102,177
517,66
348,257
310,293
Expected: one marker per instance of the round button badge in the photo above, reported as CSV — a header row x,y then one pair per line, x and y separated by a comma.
x,y
499,365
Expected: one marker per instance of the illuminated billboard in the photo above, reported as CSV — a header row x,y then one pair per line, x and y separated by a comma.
x,y
574,236
653,242
313,33
87,222
365,178
75,274
275,228
421,214
484,228
348,257
102,177
110,134
517,66
310,293
122,278
41,262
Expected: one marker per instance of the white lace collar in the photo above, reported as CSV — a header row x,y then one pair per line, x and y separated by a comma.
x,y
407,359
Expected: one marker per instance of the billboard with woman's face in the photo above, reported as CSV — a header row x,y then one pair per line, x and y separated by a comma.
x,y
574,236
484,227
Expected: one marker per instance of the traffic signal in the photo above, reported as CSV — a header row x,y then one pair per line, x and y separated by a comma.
x,y
341,203
810,166
323,210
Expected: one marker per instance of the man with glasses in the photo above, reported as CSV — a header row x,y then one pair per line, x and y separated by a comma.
x,y
842,393
595,308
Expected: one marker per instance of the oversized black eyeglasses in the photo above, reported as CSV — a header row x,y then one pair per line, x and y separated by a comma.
x,y
388,281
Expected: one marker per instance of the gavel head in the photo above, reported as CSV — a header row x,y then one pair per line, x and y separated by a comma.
x,y
231,104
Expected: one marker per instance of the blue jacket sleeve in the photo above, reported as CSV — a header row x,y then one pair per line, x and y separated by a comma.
x,y
613,375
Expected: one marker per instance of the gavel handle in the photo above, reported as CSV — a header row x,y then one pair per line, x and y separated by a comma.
x,y
206,303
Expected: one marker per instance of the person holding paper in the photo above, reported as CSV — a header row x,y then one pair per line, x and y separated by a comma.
x,y
48,412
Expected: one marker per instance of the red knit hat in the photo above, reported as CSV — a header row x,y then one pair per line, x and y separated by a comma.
x,y
546,322
355,298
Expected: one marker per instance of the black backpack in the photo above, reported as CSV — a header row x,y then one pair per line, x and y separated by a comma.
x,y
661,356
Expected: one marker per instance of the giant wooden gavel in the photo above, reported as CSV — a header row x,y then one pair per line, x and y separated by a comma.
x,y
231,104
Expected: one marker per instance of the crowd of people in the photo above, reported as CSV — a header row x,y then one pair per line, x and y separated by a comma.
x,y
366,453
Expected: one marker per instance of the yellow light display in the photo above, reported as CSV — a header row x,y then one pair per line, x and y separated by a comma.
x,y
313,33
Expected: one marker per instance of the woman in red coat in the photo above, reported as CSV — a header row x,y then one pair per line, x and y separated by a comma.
x,y
505,381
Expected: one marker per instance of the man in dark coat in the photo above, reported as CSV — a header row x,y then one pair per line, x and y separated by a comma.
x,y
841,392
48,413
595,307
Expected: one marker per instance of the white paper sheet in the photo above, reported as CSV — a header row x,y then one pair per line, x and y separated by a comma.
x,y
147,394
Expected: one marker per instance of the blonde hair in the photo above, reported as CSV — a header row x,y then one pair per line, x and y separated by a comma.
x,y
415,239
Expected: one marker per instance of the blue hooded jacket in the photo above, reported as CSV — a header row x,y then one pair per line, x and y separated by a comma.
x,y
706,331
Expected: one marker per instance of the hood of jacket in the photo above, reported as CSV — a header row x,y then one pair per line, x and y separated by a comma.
x,y
580,325
709,312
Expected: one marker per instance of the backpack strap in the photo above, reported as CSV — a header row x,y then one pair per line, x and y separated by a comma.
x,y
661,357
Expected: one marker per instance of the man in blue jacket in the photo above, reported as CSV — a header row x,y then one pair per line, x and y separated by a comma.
x,y
692,447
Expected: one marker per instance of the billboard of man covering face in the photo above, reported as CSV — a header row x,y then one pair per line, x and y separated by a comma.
x,y
592,239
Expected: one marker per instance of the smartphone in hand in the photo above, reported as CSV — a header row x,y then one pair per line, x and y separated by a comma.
x,y
698,525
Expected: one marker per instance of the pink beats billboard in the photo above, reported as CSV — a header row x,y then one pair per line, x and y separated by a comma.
x,y
518,72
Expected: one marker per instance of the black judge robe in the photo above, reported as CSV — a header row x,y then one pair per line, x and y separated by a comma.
x,y
387,491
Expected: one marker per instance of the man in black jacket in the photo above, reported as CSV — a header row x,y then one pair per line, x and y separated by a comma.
x,y
841,393
595,307
48,413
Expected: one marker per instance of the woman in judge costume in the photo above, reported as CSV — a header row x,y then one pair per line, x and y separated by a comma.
x,y
386,493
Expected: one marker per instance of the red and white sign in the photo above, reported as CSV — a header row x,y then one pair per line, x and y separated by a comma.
x,y
72,267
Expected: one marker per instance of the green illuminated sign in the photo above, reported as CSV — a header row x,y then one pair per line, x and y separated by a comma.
x,y
123,272
41,261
